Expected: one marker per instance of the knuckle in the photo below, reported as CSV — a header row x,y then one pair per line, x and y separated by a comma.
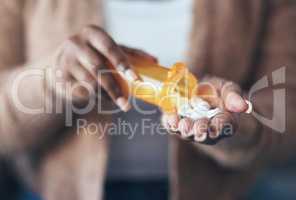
x,y
93,31
87,78
108,45
66,54
74,40
92,83
118,58
94,59
73,44
90,29
115,55
86,86
94,66
229,85
94,70
82,93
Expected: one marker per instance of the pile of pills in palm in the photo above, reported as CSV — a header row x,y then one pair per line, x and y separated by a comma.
x,y
197,109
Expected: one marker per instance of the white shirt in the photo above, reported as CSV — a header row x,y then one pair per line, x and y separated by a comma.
x,y
161,28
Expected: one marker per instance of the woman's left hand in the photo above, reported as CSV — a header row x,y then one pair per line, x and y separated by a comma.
x,y
226,96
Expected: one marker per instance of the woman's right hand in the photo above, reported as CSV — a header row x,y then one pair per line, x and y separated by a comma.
x,y
83,55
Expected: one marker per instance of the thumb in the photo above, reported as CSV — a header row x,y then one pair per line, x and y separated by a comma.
x,y
235,102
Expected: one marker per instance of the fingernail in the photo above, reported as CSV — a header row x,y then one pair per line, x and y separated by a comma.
x,y
173,121
123,104
131,75
185,126
235,102
201,137
250,107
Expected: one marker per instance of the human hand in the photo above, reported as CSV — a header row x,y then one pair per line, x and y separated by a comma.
x,y
83,55
225,95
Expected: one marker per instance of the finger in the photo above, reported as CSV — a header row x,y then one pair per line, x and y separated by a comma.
x,y
85,83
105,45
232,99
90,62
235,103
80,74
90,59
208,92
171,121
222,125
110,85
164,121
139,53
200,129
185,127
76,62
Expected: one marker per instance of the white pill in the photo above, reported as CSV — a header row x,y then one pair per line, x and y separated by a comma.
x,y
213,112
197,116
185,108
198,103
